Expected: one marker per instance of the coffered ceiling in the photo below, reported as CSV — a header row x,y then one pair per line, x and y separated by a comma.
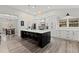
x,y
41,9
35,10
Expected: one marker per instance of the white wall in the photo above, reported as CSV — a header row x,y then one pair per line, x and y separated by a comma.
x,y
27,21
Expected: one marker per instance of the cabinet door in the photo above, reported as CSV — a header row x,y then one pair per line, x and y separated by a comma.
x,y
63,34
59,34
23,34
69,35
76,35
53,33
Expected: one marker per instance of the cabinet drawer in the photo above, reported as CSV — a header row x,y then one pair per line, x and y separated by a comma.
x,y
69,37
61,34
54,33
69,32
76,35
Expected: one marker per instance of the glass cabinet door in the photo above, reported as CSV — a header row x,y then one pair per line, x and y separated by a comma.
x,y
63,23
74,22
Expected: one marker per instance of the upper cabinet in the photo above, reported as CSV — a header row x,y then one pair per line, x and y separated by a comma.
x,y
74,22
69,21
63,23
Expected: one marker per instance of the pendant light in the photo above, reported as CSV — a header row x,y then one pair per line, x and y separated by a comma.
x,y
67,14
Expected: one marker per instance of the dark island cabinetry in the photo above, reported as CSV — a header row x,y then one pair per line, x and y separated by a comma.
x,y
42,38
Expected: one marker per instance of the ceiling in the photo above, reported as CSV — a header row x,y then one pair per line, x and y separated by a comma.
x,y
34,10
41,9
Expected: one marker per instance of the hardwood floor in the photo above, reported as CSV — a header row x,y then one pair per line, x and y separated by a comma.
x,y
15,44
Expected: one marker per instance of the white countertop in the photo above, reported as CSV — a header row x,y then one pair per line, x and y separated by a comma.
x,y
36,31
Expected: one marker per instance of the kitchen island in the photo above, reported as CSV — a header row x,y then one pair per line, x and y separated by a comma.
x,y
41,36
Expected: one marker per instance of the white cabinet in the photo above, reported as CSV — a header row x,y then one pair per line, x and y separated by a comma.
x,y
60,34
69,22
76,36
66,34
67,28
69,35
63,23
53,33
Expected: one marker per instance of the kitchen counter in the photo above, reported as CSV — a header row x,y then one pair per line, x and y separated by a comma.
x,y
41,36
37,31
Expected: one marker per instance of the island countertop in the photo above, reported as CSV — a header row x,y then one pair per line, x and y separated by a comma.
x,y
36,31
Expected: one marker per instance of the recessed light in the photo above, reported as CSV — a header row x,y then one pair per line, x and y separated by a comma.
x,y
48,6
39,11
33,6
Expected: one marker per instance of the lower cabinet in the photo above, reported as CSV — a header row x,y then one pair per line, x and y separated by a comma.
x,y
69,35
42,38
53,33
76,36
66,34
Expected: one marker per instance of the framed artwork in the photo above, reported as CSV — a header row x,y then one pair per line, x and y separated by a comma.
x,y
22,23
